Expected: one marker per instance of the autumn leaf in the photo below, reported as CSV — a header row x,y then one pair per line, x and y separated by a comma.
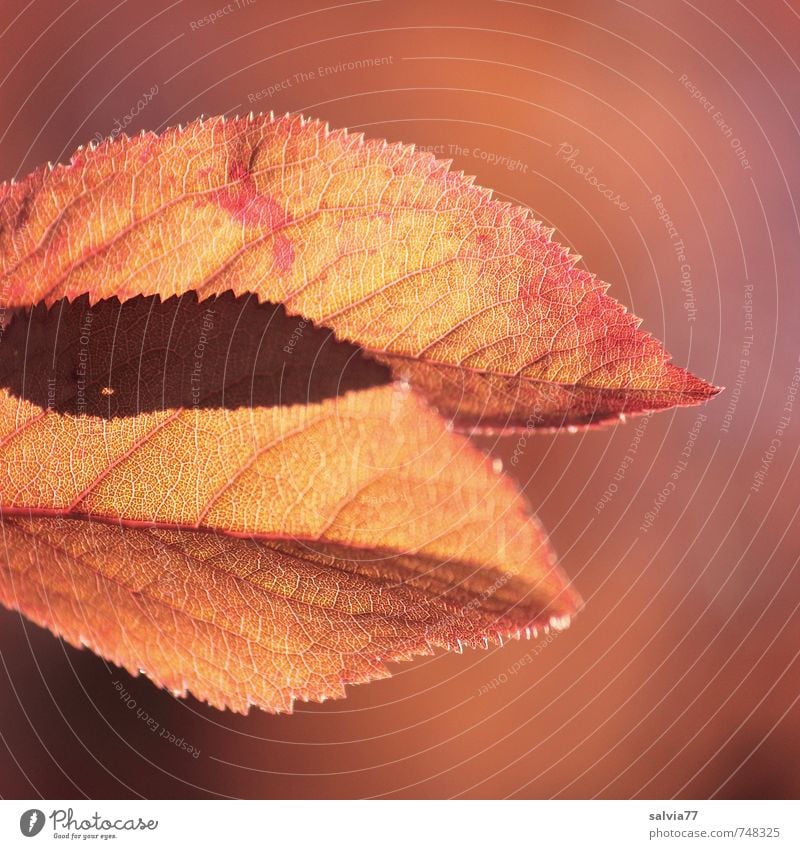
x,y
246,549
248,621
222,349
464,296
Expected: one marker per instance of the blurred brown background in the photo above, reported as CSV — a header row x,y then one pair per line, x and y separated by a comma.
x,y
681,678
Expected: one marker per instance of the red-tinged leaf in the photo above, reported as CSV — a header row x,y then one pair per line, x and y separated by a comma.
x,y
465,296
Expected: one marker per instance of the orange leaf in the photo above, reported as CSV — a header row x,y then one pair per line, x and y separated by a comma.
x,y
242,548
465,296
248,621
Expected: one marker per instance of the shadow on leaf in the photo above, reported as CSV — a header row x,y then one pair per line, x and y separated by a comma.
x,y
142,355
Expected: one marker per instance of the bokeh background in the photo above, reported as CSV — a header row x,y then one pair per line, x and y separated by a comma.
x,y
681,677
